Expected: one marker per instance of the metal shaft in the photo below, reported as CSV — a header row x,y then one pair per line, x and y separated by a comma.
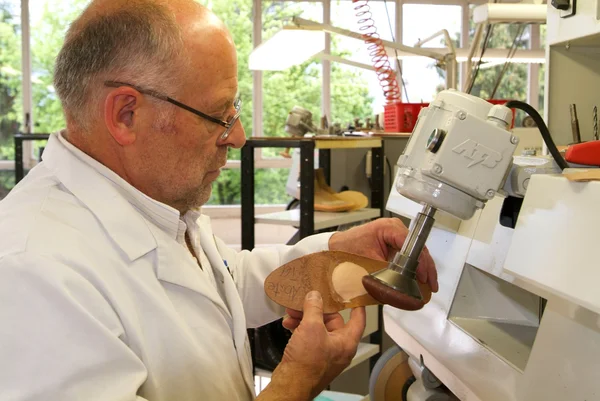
x,y
401,273
575,124
408,257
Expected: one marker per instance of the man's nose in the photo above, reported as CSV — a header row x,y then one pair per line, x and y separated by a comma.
x,y
237,137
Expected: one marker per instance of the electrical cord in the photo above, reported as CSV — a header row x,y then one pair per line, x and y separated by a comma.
x,y
486,40
511,54
517,104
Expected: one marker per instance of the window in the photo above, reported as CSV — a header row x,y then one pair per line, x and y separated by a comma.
x,y
49,21
356,92
422,78
11,101
297,86
492,82
237,15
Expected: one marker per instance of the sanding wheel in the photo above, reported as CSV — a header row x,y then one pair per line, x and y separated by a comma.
x,y
389,376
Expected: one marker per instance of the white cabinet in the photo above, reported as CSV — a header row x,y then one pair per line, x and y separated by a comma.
x,y
573,70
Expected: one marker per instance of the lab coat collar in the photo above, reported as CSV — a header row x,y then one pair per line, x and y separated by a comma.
x,y
107,201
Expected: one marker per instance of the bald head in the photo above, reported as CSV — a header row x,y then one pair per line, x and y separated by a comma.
x,y
141,41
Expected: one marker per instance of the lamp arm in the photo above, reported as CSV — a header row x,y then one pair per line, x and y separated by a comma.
x,y
301,23
447,39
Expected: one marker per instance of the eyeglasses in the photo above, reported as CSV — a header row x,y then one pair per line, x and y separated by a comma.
x,y
237,105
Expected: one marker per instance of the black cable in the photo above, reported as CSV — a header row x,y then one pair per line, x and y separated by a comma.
x,y
517,104
511,54
488,35
396,51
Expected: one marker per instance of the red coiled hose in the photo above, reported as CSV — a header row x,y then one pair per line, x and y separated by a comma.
x,y
379,57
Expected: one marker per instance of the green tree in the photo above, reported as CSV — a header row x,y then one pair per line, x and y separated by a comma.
x,y
300,85
514,81
10,78
47,37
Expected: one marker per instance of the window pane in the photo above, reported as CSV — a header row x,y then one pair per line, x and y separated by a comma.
x,y
494,80
49,21
237,16
11,101
299,85
422,78
357,92
269,187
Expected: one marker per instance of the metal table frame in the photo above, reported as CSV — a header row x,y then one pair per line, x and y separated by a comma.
x,y
19,139
307,186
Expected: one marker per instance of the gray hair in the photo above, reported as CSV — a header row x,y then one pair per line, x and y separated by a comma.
x,y
140,43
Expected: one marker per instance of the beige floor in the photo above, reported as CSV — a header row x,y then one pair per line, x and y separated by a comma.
x,y
230,231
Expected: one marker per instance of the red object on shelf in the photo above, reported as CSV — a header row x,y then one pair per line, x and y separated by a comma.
x,y
401,117
587,153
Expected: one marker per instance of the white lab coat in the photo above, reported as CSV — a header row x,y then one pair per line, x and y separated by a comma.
x,y
97,303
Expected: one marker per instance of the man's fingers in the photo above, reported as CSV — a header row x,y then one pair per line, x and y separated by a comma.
x,y
290,323
313,307
293,313
400,232
433,278
357,322
334,322
431,272
422,273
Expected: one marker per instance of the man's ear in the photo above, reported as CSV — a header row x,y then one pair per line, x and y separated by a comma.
x,y
120,114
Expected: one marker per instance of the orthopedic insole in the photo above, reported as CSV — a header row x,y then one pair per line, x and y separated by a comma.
x,y
338,276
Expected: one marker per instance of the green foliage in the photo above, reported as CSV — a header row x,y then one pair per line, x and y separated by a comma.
x,y
11,104
47,37
299,85
513,85
268,185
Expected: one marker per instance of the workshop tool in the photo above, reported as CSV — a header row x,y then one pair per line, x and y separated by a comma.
x,y
396,285
575,124
595,122
391,376
289,284
587,153
458,157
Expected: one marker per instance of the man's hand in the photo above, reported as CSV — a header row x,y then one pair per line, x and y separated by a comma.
x,y
381,239
318,351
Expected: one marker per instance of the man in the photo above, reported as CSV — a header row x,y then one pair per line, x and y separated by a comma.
x,y
112,286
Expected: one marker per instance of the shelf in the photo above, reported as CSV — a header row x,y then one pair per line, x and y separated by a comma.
x,y
322,219
401,135
364,352
321,142
347,143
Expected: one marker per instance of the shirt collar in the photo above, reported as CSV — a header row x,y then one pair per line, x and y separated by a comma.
x,y
123,210
163,216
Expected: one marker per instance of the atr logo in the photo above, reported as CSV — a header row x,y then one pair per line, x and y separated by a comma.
x,y
478,153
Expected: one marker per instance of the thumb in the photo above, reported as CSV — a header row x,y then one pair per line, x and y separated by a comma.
x,y
313,307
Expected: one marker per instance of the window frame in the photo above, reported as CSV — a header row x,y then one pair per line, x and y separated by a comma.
x,y
257,76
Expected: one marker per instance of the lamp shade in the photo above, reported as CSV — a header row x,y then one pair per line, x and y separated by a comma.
x,y
286,48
